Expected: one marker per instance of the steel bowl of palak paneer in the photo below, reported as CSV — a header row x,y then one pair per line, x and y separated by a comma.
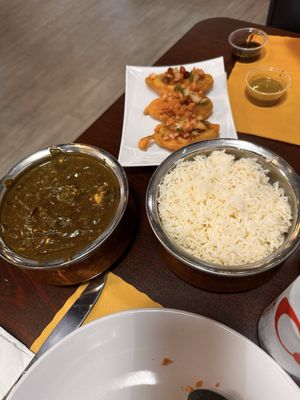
x,y
64,214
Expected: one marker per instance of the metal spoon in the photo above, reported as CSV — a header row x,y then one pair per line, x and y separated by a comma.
x,y
250,38
204,394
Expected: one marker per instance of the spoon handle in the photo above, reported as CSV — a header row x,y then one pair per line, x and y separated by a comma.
x,y
205,394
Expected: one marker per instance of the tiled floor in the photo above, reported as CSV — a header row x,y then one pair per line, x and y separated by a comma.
x,y
63,61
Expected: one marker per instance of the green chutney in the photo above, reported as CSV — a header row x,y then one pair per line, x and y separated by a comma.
x,y
266,85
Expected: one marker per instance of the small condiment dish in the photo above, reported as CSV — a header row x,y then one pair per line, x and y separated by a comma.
x,y
247,43
267,84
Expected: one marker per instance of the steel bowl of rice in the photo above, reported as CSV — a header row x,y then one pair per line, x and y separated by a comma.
x,y
226,213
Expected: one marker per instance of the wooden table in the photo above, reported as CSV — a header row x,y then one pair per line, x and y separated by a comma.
x,y
27,306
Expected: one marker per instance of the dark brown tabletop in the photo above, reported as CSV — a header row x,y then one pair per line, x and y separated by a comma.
x,y
27,306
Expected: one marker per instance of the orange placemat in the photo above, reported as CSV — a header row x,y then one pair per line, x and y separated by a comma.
x,y
281,121
117,295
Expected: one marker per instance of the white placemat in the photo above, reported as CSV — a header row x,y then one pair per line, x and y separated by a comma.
x,y
14,357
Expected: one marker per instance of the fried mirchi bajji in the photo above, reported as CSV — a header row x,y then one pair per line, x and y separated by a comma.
x,y
182,109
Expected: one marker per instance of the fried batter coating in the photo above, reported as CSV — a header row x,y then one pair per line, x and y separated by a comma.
x,y
173,78
182,109
172,106
145,142
181,134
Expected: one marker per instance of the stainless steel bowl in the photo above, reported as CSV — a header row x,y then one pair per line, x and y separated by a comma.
x,y
208,275
102,252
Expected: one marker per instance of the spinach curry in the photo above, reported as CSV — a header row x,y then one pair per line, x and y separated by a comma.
x,y
55,209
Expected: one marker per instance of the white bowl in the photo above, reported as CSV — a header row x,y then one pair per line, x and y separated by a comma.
x,y
120,357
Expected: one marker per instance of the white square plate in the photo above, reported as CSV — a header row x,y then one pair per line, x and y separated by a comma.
x,y
137,125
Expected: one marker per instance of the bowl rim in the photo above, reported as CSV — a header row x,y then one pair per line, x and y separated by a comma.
x,y
37,157
268,68
260,266
250,30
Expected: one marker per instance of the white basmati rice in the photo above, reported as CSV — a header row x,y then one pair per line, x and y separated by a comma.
x,y
223,210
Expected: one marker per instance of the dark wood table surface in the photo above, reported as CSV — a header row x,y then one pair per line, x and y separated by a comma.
x,y
27,306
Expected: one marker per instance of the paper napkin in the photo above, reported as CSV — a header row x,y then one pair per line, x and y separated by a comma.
x,y
14,357
281,121
117,295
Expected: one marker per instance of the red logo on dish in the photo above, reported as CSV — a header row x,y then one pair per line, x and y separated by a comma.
x,y
284,308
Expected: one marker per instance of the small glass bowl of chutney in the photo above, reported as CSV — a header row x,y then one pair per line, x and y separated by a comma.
x,y
247,43
267,85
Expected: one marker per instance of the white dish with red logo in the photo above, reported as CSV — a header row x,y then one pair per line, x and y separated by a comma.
x,y
279,329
